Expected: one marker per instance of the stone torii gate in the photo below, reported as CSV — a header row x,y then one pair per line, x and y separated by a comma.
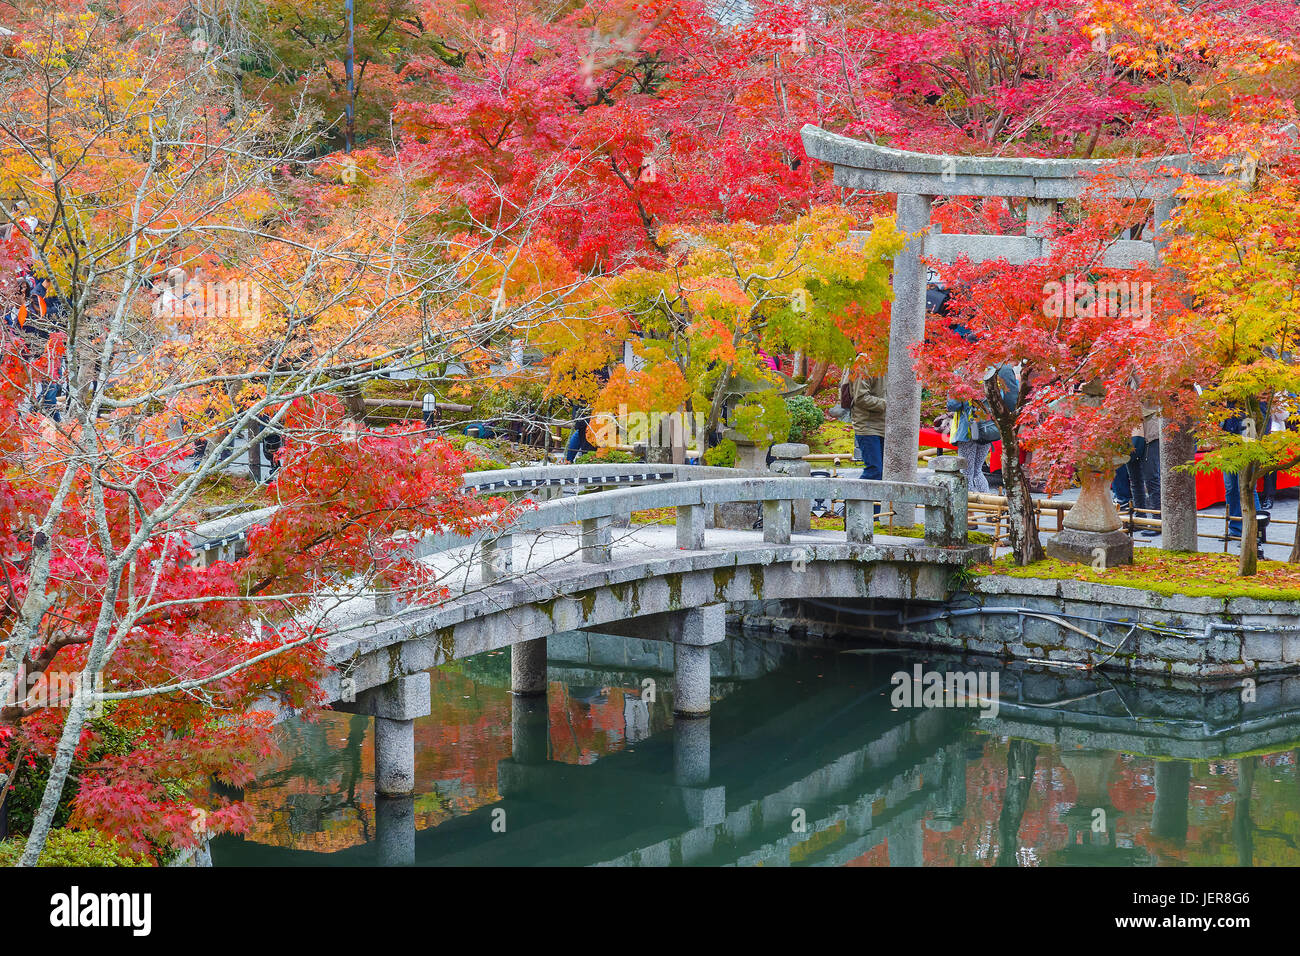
x,y
917,178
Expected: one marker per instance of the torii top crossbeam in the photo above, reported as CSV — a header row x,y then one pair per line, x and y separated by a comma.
x,y
862,165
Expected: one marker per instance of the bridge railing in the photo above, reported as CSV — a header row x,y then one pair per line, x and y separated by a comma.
x,y
223,537
536,477
944,502
691,489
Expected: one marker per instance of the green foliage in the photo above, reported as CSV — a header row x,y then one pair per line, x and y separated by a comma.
x,y
300,52
606,456
805,417
1239,248
493,454
732,289
72,848
487,464
722,455
25,796
763,418
833,438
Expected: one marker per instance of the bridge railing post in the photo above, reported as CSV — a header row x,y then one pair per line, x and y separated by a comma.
x,y
776,521
595,541
945,525
690,527
859,520
497,559
386,600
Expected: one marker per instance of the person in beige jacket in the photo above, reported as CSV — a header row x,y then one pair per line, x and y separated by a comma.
x,y
864,397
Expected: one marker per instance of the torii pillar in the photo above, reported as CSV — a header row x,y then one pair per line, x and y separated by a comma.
x,y
917,178
906,327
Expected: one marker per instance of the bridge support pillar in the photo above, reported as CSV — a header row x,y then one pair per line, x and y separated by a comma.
x,y
704,805
700,629
691,752
395,830
528,668
395,706
529,730
907,842
691,681
394,757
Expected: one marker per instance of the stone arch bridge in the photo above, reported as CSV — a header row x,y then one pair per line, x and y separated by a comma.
x,y
574,560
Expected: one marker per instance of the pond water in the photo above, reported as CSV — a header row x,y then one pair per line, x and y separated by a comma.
x,y
805,760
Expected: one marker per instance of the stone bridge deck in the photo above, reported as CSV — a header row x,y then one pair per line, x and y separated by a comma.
x,y
647,581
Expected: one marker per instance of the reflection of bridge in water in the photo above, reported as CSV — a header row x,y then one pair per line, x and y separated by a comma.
x,y
780,774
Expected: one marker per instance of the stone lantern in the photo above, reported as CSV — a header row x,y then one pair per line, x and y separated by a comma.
x,y
1093,532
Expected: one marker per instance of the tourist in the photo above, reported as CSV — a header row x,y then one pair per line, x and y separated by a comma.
x,y
974,436
1144,467
1277,421
1121,486
864,397
578,441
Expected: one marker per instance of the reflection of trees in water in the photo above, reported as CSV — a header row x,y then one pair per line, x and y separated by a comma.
x,y
1242,811
1021,759
318,794
1169,817
1243,831
588,722
323,780
309,750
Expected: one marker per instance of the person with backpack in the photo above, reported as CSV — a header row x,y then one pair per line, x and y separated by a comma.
x,y
973,431
863,396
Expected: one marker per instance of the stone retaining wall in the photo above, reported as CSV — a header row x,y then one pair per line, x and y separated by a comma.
x,y
1071,623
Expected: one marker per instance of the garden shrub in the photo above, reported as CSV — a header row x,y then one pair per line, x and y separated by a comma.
x,y
722,455
606,456
72,848
805,418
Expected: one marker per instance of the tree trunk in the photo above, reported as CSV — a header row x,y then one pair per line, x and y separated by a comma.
x,y
1021,516
1249,523
1022,519
1295,545
714,422
816,378
1021,758
43,821
254,454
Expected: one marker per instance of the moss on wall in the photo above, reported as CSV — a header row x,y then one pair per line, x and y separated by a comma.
x,y
1167,573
